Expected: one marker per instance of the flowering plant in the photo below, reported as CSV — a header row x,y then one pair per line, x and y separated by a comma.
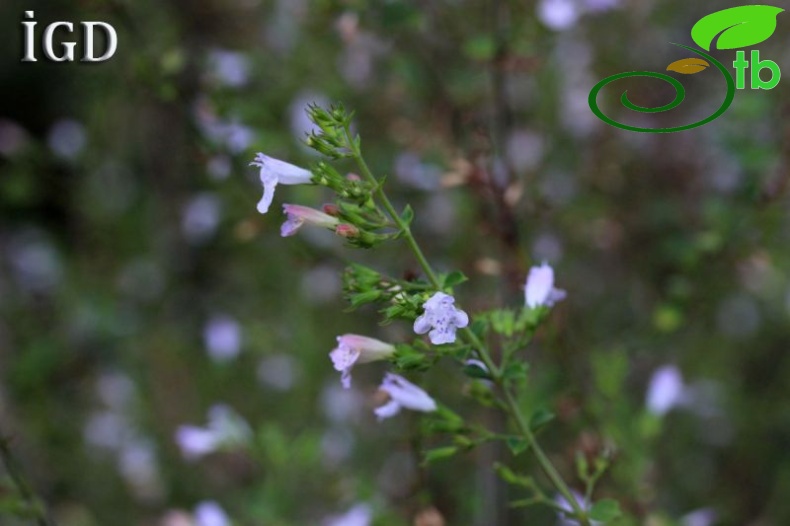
x,y
486,345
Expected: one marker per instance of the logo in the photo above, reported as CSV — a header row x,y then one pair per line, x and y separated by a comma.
x,y
737,27
67,48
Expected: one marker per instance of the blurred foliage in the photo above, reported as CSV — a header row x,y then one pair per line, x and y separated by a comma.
x,y
128,228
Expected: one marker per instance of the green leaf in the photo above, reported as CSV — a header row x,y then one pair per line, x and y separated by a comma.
x,y
408,215
739,27
440,453
517,444
454,278
540,418
507,474
473,370
605,510
516,371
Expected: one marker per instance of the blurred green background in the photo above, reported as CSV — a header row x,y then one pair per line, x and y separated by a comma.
x,y
139,286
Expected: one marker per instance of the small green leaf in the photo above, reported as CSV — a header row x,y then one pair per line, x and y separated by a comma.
x,y
454,278
507,474
605,510
540,418
473,370
440,453
516,372
517,445
739,27
408,215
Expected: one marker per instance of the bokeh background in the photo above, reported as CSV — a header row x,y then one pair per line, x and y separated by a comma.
x,y
139,287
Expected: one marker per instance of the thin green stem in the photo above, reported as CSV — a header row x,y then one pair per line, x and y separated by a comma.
x,y
15,473
482,350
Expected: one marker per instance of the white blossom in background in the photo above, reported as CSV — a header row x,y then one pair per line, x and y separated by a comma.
x,y
403,394
359,515
209,513
666,390
229,68
352,349
222,338
13,138
299,215
200,217
225,429
558,15
700,517
219,167
274,172
278,372
566,506
67,138
441,318
599,6
539,289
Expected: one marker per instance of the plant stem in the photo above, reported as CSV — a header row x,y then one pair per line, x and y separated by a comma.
x,y
473,340
15,473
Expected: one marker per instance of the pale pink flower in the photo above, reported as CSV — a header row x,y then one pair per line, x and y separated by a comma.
x,y
402,394
441,318
299,215
352,349
274,172
539,289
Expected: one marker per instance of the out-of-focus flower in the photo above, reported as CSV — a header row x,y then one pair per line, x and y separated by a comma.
x,y
402,394
558,14
209,513
13,138
225,429
666,390
222,338
67,138
299,215
566,506
230,68
539,289
352,349
700,517
274,172
359,515
598,6
200,217
278,371
441,318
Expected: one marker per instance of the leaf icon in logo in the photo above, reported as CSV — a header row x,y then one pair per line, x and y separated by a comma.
x,y
688,66
739,26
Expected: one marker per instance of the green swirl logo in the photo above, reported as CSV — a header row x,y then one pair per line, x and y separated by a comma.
x,y
735,28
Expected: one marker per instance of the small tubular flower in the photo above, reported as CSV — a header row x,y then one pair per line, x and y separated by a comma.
x,y
539,289
402,394
274,172
441,318
299,215
225,429
352,349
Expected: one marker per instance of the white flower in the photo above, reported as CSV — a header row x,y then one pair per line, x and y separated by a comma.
x,y
566,506
352,349
209,513
299,215
359,515
441,318
274,172
225,429
666,390
403,394
539,289
558,14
